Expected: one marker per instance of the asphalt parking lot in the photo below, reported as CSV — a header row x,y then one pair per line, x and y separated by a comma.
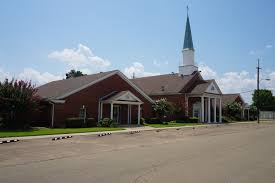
x,y
231,153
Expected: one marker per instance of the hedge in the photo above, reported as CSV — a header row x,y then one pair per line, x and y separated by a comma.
x,y
79,122
74,122
153,121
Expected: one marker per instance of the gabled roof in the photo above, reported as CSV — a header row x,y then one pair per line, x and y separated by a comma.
x,y
57,89
201,87
122,96
230,98
60,89
163,84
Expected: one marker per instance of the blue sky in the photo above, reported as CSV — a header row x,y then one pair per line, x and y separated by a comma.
x,y
41,40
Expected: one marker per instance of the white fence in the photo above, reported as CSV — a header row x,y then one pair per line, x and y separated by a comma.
x,y
267,115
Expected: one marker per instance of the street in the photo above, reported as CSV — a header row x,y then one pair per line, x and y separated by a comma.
x,y
227,153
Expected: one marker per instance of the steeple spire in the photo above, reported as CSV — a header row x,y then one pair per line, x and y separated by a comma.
x,y
188,61
188,42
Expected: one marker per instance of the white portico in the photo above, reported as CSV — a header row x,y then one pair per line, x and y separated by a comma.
x,y
117,101
205,102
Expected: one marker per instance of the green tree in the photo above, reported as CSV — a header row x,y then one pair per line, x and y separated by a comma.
x,y
17,100
266,100
162,107
234,109
73,73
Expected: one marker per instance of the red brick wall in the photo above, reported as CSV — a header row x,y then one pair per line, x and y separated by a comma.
x,y
178,100
90,98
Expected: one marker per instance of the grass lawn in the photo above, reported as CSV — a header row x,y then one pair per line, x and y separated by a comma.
x,y
174,124
50,131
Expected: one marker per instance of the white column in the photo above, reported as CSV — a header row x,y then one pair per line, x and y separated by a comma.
x,y
220,111
101,110
130,118
112,108
209,110
202,109
128,114
215,110
52,124
138,114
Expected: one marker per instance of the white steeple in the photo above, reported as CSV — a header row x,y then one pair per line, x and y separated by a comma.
x,y
188,63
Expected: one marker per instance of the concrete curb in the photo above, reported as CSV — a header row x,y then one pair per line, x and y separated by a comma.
x,y
127,131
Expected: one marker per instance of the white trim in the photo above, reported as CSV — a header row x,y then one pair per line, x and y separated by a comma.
x,y
119,98
216,85
122,102
58,101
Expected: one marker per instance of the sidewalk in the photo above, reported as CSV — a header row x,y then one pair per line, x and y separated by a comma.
x,y
127,130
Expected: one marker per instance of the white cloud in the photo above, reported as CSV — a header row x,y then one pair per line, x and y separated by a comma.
x,y
261,50
238,82
159,64
37,77
79,58
207,72
138,69
4,75
268,46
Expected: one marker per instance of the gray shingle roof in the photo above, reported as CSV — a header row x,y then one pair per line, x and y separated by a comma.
x,y
162,84
200,88
59,88
229,98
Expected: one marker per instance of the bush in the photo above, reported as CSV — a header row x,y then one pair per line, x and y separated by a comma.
x,y
107,122
91,122
74,122
18,99
193,120
165,123
152,120
188,120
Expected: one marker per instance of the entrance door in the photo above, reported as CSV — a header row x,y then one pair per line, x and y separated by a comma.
x,y
116,114
197,110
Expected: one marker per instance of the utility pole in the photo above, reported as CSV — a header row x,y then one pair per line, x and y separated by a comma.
x,y
258,91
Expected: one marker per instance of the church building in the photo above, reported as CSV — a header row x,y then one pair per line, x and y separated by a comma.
x,y
111,94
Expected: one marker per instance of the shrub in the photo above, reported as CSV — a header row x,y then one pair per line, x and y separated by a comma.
x,y
188,120
74,122
152,120
162,108
165,123
193,120
142,121
107,122
234,109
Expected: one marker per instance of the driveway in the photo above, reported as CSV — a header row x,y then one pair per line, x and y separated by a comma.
x,y
233,153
